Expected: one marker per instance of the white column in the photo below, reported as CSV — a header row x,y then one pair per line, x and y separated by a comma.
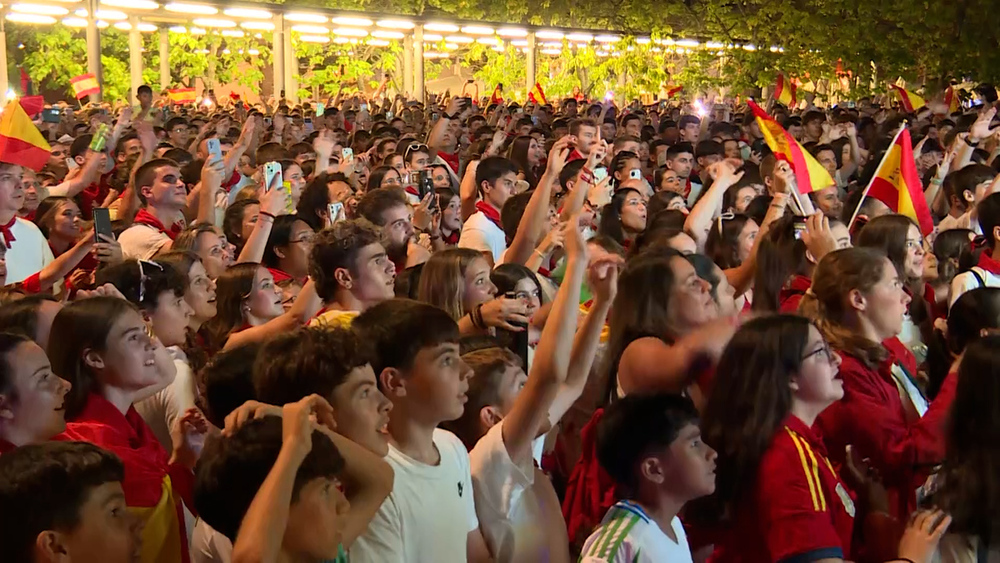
x,y
407,65
418,63
134,58
529,77
164,58
94,48
4,86
291,67
278,55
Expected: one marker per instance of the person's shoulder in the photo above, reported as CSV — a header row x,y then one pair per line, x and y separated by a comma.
x,y
27,226
446,441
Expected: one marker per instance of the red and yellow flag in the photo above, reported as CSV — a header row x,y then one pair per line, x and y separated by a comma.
x,y
537,95
20,141
784,91
810,175
182,95
897,183
84,85
673,90
951,99
910,101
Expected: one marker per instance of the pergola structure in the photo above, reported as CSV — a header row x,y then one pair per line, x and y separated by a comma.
x,y
419,35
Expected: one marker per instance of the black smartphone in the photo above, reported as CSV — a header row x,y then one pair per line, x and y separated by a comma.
x,y
517,342
425,185
51,115
102,224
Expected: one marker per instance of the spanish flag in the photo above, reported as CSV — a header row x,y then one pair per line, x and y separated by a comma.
x,y
810,175
910,101
85,85
951,99
673,90
182,95
537,95
897,184
497,97
784,91
20,141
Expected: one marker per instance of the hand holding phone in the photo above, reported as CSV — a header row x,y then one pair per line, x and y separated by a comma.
x,y
336,212
102,224
214,148
272,176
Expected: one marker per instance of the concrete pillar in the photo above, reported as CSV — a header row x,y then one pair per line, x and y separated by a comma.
x,y
418,63
4,86
164,58
134,58
94,48
291,67
407,85
529,76
278,55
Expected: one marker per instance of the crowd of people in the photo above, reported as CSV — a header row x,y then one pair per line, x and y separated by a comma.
x,y
385,330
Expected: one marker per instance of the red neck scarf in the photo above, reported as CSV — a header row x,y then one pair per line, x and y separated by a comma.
x,y
8,236
412,191
986,262
490,212
451,239
144,217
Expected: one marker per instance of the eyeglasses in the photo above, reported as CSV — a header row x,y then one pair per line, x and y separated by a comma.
x,y
824,350
306,238
143,277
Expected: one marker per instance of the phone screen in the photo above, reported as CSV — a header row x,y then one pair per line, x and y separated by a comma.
x,y
102,224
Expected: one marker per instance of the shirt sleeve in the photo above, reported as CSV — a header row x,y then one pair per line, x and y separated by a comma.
x,y
498,480
140,242
794,513
383,542
960,284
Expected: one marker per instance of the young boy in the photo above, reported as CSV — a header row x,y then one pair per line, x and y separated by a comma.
x,y
430,515
63,501
271,486
651,446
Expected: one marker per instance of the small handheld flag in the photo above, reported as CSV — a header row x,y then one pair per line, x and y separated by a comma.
x,y
182,95
897,184
673,91
497,97
84,85
537,95
810,175
20,141
951,99
784,91
910,101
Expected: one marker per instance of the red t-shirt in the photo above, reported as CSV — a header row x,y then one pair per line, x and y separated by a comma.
x,y
790,295
798,509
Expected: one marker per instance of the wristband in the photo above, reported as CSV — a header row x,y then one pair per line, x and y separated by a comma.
x,y
937,181
265,214
970,143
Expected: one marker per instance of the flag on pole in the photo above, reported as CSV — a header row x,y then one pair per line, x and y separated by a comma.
x,y
27,86
810,175
20,141
784,91
673,90
951,99
85,85
911,102
897,184
497,97
182,95
537,95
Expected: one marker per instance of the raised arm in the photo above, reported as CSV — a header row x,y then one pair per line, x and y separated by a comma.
x,y
529,229
305,307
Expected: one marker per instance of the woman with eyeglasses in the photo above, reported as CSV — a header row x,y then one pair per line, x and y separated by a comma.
x,y
103,348
858,303
287,251
384,177
899,238
777,495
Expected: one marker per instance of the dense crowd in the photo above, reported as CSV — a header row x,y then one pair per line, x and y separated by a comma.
x,y
385,330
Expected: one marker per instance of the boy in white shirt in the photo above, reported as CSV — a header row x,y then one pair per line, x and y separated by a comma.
x,y
651,446
495,178
27,251
430,516
986,272
516,503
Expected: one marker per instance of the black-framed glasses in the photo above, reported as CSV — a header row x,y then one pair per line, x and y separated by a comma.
x,y
823,350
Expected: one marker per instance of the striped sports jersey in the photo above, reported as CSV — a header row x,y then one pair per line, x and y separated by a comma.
x,y
628,535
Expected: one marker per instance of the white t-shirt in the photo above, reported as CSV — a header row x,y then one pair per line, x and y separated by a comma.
x,y
967,281
162,409
479,233
628,535
29,252
429,513
508,510
209,546
141,242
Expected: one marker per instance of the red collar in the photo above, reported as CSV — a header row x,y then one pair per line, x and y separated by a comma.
x,y
144,217
490,212
452,239
8,236
412,191
986,262
279,275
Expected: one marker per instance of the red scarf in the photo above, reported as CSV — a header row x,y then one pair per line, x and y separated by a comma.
x,y
412,191
8,236
986,262
144,217
490,212
452,239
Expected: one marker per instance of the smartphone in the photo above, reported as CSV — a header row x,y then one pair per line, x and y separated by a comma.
x,y
800,227
271,170
51,115
71,163
102,224
346,154
267,121
634,174
388,115
516,341
600,174
425,185
336,210
320,109
364,107
214,147
100,140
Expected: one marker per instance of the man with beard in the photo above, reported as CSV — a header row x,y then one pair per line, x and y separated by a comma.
x,y
387,208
